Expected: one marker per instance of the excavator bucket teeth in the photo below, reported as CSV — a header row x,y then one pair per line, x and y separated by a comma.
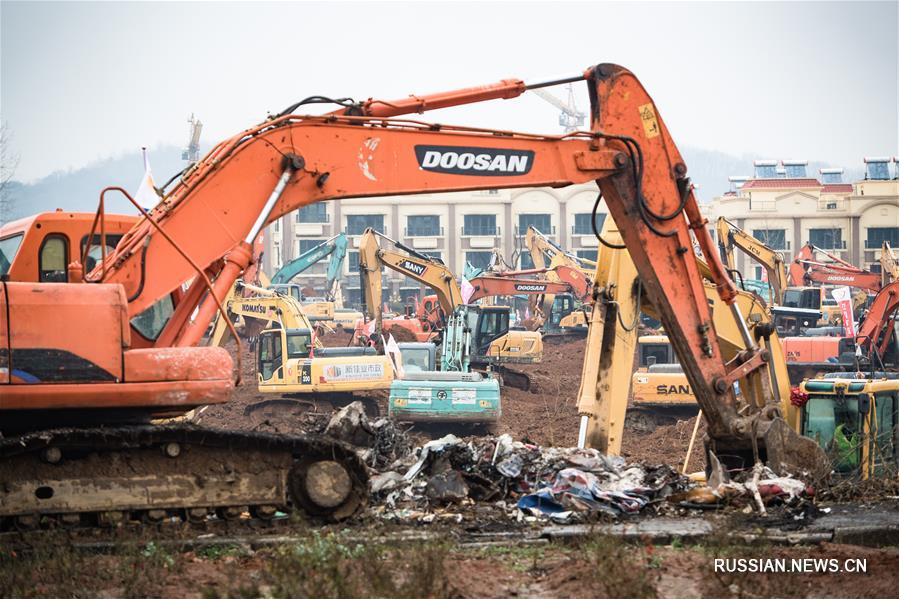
x,y
790,453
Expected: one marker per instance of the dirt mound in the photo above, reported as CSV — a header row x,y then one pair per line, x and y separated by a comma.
x,y
666,444
399,333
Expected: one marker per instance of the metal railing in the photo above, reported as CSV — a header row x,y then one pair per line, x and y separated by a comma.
x,y
485,231
423,232
326,218
831,245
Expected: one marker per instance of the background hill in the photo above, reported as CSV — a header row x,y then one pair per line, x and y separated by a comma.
x,y
78,190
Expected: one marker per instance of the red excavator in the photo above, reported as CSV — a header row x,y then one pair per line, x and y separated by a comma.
x,y
83,366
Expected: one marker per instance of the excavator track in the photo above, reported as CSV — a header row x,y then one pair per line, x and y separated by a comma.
x,y
109,476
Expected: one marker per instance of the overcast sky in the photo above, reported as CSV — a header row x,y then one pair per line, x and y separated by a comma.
x,y
84,81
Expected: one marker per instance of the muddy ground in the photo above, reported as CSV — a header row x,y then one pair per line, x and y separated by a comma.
x,y
333,562
546,414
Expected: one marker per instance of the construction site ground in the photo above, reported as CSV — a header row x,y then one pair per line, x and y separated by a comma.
x,y
483,555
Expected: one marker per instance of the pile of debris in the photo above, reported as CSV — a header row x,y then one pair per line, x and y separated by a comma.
x,y
456,479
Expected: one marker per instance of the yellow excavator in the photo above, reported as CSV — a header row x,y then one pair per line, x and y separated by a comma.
x,y
540,247
290,359
494,344
731,236
850,418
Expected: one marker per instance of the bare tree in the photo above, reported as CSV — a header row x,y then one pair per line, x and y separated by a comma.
x,y
8,163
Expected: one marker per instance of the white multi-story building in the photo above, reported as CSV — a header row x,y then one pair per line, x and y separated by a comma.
x,y
455,227
785,208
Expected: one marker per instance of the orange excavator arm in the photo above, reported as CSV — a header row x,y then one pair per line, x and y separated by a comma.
x,y
490,286
875,332
832,274
290,161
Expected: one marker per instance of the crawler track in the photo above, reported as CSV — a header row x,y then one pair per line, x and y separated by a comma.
x,y
109,476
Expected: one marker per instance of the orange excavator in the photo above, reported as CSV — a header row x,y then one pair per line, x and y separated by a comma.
x,y
878,329
567,286
109,347
805,269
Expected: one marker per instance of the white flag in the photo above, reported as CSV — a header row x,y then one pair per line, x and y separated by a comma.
x,y
467,290
393,350
146,194
843,295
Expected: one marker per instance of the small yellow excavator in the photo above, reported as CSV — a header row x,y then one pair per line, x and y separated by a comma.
x,y
494,344
290,359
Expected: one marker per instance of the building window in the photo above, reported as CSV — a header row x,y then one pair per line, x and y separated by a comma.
x,y
480,224
877,235
276,226
478,259
587,254
436,256
879,171
307,244
423,225
353,263
776,239
313,213
582,223
541,222
276,255
827,239
357,223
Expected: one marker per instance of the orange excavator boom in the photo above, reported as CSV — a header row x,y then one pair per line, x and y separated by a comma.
x,y
290,161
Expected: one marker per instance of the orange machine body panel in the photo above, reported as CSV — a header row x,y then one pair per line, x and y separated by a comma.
x,y
811,349
71,229
80,356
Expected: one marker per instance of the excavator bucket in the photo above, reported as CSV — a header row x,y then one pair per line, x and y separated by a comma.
x,y
790,453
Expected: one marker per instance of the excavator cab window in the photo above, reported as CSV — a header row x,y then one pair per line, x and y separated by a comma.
x,y
563,305
886,410
54,256
835,424
8,249
808,298
268,353
491,325
150,322
96,252
655,353
298,343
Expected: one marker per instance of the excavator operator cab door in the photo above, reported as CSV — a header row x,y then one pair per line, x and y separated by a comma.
x,y
563,305
492,323
269,351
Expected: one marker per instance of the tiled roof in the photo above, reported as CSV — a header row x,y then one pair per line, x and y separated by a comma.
x,y
837,188
780,183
